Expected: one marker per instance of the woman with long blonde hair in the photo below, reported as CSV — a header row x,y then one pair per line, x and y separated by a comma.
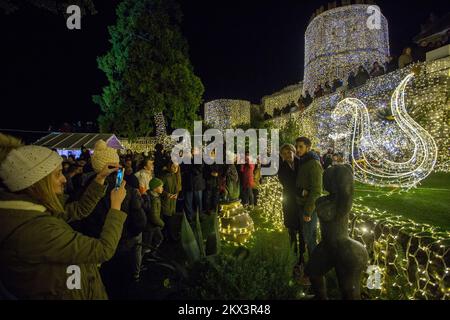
x,y
41,256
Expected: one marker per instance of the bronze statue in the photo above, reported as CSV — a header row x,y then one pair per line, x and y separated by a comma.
x,y
337,250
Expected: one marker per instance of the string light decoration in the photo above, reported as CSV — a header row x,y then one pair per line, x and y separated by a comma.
x,y
161,132
226,113
147,144
413,258
370,162
160,124
270,193
427,99
281,98
312,122
142,145
339,41
235,223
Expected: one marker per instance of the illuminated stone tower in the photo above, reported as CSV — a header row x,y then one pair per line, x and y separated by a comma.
x,y
339,40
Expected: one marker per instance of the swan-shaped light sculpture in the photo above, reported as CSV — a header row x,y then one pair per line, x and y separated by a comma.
x,y
365,149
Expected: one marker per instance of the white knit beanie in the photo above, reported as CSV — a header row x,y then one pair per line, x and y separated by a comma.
x,y
27,165
103,155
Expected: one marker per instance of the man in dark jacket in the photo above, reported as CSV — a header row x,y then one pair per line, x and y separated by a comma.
x,y
193,184
85,154
391,64
337,83
247,181
351,82
160,160
309,189
172,187
306,99
327,159
420,52
377,70
362,76
293,221
130,178
155,223
229,186
211,187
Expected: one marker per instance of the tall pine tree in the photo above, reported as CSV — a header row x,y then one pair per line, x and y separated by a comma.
x,y
148,70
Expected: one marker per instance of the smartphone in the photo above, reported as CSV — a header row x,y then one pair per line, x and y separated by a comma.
x,y
119,178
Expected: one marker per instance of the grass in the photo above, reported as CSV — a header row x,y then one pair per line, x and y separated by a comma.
x,y
429,203
267,271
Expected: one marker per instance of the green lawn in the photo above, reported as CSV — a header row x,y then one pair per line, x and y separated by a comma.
x,y
429,203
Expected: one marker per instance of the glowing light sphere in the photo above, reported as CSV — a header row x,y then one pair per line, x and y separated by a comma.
x,y
339,41
235,223
367,147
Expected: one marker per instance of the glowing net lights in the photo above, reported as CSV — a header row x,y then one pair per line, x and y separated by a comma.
x,y
270,201
338,41
226,113
368,146
413,258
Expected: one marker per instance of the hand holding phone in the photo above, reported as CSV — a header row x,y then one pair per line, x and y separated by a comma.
x,y
117,196
106,171
119,178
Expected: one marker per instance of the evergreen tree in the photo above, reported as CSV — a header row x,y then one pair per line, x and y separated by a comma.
x,y
148,70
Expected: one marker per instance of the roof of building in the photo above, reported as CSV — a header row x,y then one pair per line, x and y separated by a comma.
x,y
73,141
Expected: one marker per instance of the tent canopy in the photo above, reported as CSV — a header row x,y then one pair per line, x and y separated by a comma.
x,y
74,141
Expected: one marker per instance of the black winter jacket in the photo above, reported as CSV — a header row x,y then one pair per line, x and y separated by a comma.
x,y
132,205
192,177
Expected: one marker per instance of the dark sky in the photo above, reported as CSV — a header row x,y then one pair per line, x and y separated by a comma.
x,y
240,49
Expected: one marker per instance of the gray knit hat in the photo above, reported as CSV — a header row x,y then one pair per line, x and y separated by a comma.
x,y
27,165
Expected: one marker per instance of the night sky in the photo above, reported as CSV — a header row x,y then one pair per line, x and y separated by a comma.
x,y
240,50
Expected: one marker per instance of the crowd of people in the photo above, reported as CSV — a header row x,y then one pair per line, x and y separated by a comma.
x,y
362,75
59,211
358,77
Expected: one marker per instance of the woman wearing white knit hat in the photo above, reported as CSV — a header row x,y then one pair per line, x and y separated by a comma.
x,y
42,256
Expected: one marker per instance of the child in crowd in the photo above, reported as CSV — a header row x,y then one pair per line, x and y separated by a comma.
x,y
153,236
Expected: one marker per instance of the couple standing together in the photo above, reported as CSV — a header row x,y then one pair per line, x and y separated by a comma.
x,y
300,174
